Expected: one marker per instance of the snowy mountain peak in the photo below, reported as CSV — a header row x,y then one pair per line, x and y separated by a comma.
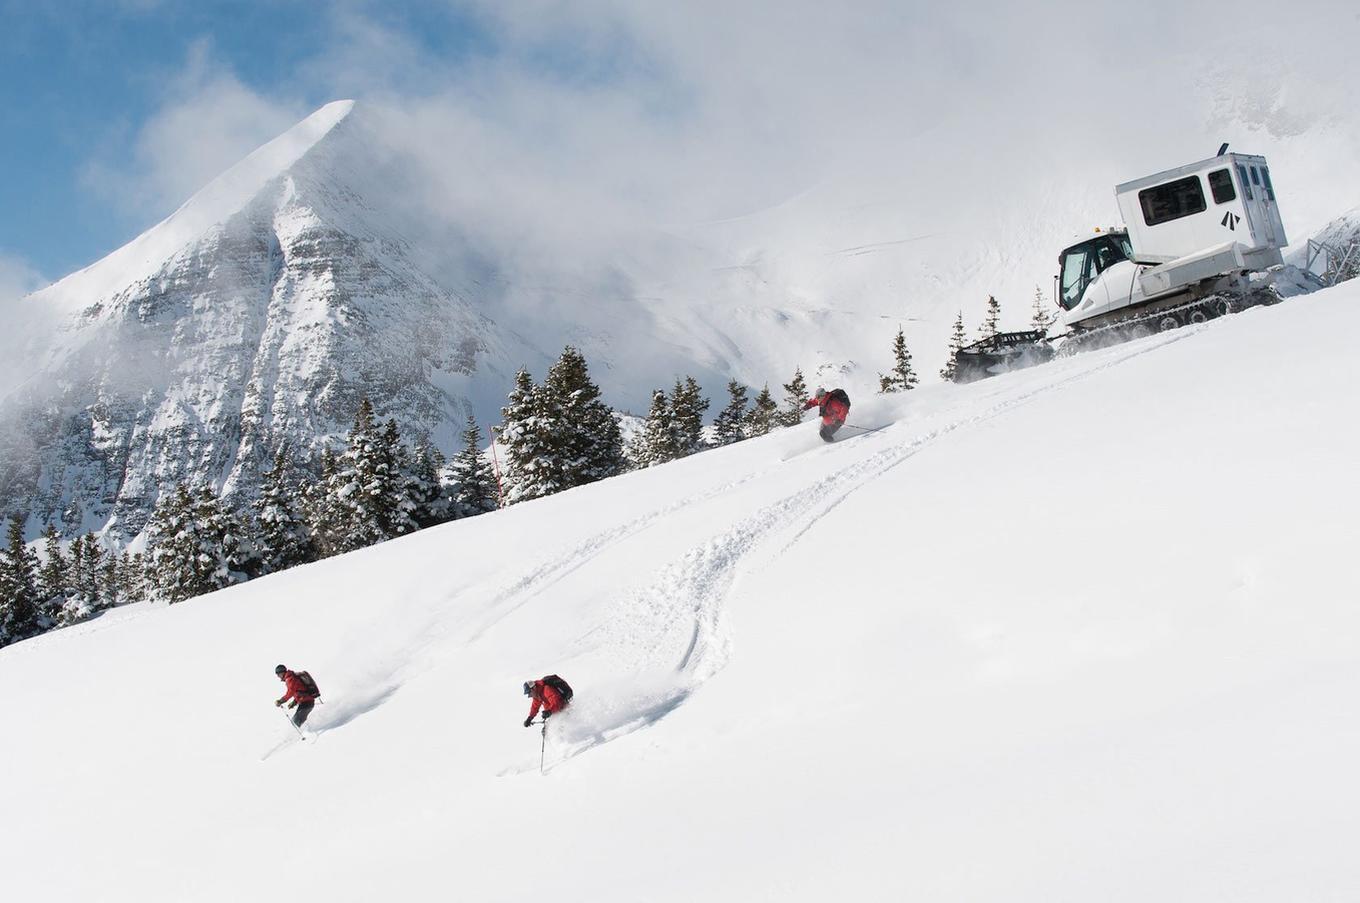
x,y
257,315
210,206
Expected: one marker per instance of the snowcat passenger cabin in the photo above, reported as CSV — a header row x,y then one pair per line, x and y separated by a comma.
x,y
1228,199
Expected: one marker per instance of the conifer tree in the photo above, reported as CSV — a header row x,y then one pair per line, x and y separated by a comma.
x,y
52,574
227,551
525,433
429,503
86,592
991,324
110,593
902,377
324,510
763,416
795,396
19,603
366,499
393,490
357,481
1041,318
687,413
280,527
185,558
474,483
956,341
659,440
131,577
728,427
582,434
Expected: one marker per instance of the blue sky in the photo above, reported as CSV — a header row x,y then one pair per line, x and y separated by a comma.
x,y
81,80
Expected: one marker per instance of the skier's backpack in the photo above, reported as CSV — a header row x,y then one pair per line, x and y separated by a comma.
x,y
839,395
308,684
561,686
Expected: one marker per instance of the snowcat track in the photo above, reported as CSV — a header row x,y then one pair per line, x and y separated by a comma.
x,y
1200,310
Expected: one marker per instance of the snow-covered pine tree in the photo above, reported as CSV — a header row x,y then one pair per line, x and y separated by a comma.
x,y
324,511
525,432
281,529
687,413
393,486
474,484
182,563
956,341
131,577
225,539
763,416
53,583
728,426
20,611
795,396
366,502
430,505
584,434
658,441
902,377
1042,317
87,596
991,324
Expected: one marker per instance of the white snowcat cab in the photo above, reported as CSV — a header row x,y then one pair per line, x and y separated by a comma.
x,y
1194,236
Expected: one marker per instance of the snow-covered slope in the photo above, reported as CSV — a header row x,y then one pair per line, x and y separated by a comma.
x,y
1081,632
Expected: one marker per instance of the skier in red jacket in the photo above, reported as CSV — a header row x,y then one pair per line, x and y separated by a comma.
x,y
551,694
303,700
834,406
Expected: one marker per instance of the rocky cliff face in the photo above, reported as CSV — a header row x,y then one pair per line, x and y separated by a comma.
x,y
264,328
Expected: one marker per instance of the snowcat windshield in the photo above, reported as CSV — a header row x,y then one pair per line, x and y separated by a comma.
x,y
1077,270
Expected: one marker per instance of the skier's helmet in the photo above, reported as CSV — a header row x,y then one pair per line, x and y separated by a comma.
x,y
820,393
280,669
528,688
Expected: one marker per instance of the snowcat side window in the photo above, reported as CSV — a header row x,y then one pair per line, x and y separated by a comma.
x,y
1255,176
1077,270
1108,253
1220,183
1172,201
1246,183
1265,178
1124,245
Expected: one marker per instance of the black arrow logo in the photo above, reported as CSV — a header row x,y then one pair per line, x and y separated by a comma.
x,y
1231,220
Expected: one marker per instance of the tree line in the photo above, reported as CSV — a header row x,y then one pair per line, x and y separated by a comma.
x,y
554,435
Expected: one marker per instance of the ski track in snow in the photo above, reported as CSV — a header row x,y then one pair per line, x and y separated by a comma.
x,y
679,616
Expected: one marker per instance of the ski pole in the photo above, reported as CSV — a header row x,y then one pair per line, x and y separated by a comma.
x,y
865,429
290,721
543,747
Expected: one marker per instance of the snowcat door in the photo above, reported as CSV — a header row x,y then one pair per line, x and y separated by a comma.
x,y
1076,269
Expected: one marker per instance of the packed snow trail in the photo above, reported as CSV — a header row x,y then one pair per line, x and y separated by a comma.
x,y
1089,623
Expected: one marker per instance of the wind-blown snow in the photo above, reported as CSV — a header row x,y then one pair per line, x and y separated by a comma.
x,y
1082,632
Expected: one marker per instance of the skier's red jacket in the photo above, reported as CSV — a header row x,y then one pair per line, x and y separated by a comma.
x,y
295,689
833,410
545,696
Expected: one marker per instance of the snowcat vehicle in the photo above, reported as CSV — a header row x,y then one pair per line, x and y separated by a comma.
x,y
1200,242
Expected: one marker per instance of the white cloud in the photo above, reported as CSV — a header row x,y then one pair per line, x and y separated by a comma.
x,y
208,121
17,278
